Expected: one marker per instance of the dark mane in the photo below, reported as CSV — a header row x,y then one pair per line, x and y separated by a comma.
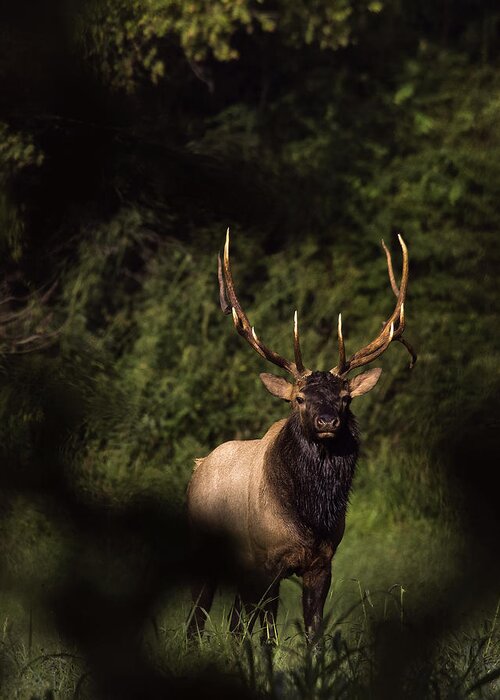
x,y
313,479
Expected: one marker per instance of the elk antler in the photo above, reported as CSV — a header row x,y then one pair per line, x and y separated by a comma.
x,y
230,305
392,329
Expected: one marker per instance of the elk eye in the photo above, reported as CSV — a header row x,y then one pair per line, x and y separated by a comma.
x,y
300,399
346,399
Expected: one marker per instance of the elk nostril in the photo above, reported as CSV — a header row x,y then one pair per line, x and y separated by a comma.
x,y
327,420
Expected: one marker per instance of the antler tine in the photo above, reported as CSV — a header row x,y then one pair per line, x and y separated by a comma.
x,y
388,333
224,304
366,359
341,366
242,324
411,351
395,289
392,279
296,346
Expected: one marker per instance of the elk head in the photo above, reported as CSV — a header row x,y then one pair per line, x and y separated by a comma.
x,y
321,399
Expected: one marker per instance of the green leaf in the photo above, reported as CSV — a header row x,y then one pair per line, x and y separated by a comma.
x,y
404,93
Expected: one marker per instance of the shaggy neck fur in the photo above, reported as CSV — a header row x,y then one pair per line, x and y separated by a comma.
x,y
313,479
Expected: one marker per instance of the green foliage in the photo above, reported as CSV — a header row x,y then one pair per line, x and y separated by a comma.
x,y
127,40
17,152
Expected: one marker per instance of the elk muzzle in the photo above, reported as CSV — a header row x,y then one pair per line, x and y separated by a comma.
x,y
326,425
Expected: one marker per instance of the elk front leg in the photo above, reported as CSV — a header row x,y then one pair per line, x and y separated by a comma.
x,y
316,584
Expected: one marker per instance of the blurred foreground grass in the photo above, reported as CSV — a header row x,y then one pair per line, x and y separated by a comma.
x,y
463,663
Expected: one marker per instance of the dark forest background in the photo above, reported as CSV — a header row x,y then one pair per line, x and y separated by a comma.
x,y
132,133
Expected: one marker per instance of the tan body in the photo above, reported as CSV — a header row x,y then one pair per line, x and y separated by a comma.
x,y
230,495
229,492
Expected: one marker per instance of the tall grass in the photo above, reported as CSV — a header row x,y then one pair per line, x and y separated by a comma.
x,y
343,662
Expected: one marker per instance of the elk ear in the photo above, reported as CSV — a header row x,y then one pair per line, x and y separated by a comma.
x,y
277,386
364,382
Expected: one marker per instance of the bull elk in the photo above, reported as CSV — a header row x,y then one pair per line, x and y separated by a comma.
x,y
283,499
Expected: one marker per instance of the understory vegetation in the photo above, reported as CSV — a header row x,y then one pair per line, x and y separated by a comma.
x,y
132,134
